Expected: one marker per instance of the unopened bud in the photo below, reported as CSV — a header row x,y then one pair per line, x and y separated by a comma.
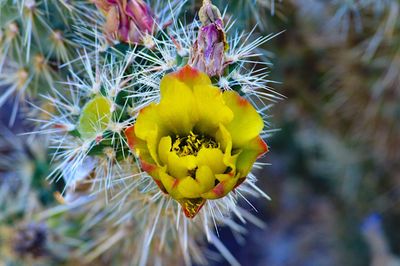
x,y
127,20
208,51
209,13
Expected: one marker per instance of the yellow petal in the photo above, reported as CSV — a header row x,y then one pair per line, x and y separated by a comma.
x,y
224,177
148,127
164,148
205,178
147,163
213,158
138,146
246,124
149,120
131,137
177,107
211,108
249,154
221,190
179,167
170,183
152,145
189,188
224,138
191,77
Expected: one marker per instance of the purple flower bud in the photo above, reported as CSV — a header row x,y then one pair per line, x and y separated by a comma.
x,y
208,51
127,20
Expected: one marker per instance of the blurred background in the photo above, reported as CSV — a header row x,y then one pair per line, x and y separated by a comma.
x,y
334,160
334,177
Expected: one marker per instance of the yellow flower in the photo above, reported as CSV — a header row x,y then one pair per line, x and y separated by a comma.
x,y
198,143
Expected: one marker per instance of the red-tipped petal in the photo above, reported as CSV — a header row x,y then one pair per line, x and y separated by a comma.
x,y
191,207
191,76
160,185
131,137
263,147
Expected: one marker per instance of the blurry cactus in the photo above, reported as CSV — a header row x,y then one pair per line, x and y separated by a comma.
x,y
23,164
339,64
36,39
374,234
31,241
24,193
362,38
352,88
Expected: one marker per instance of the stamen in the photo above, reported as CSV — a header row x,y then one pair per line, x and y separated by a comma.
x,y
191,144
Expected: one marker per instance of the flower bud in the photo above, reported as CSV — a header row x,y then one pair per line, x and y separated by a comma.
x,y
208,51
127,20
209,13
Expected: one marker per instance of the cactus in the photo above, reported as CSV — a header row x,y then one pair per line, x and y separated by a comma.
x,y
90,71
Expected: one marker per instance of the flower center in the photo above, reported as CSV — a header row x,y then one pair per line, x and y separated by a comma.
x,y
191,144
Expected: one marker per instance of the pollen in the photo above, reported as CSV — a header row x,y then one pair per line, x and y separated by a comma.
x,y
191,144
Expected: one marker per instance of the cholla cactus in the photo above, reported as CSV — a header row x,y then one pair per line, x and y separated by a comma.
x,y
155,130
36,40
23,164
